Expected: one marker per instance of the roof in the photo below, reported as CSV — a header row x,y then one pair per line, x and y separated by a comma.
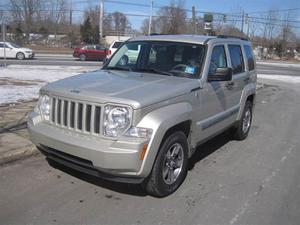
x,y
200,39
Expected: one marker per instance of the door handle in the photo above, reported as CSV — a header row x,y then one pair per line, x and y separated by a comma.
x,y
229,84
246,80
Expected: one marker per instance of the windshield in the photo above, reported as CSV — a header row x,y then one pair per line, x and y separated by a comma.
x,y
14,45
162,57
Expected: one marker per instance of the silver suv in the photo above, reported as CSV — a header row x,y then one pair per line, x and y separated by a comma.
x,y
141,117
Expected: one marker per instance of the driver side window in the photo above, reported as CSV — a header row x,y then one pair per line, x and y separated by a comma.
x,y
218,59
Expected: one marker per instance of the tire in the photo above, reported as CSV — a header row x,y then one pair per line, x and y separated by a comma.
x,y
170,167
20,56
82,57
241,130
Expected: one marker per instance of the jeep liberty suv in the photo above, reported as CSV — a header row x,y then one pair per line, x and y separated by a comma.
x,y
141,117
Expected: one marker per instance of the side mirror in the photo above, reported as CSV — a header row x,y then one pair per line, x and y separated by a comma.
x,y
221,74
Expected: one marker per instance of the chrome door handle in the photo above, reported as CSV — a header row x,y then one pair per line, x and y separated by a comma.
x,y
229,84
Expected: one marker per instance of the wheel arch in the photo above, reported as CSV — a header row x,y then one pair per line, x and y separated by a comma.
x,y
249,93
163,122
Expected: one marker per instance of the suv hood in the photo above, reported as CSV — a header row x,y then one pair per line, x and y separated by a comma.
x,y
122,87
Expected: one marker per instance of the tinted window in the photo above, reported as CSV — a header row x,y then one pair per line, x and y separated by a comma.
x,y
218,59
98,47
2,45
250,57
117,44
237,61
90,47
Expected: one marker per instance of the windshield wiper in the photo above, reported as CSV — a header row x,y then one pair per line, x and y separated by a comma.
x,y
118,68
153,70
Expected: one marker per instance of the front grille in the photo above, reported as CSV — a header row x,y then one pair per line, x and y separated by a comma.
x,y
75,115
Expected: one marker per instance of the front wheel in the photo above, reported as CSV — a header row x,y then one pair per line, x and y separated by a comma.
x,y
170,167
243,125
20,56
82,57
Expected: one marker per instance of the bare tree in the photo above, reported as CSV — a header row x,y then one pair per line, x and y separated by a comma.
x,y
145,26
58,9
172,19
25,12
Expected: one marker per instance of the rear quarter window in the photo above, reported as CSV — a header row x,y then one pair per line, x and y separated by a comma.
x,y
117,44
250,57
237,60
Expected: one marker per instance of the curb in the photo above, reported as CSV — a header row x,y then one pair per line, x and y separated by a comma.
x,y
14,155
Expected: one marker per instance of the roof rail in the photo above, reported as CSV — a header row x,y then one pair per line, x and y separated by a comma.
x,y
232,36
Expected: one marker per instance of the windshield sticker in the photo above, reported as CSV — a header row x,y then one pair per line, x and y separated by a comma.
x,y
191,70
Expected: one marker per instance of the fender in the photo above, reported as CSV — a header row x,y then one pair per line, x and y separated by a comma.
x,y
160,121
249,89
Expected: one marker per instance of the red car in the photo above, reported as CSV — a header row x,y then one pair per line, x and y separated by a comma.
x,y
91,52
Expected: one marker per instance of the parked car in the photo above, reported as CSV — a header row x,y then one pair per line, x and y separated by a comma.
x,y
114,46
141,120
90,52
12,50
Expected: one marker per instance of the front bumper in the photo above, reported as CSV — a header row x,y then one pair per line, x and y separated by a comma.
x,y
118,159
29,55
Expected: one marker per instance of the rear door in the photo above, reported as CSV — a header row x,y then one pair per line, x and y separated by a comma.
x,y
238,65
100,52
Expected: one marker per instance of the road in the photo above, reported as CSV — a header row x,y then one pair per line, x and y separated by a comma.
x,y
255,181
68,60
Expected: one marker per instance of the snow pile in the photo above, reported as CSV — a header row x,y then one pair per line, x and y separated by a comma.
x,y
22,82
283,78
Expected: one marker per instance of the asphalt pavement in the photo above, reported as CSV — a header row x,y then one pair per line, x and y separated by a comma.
x,y
255,181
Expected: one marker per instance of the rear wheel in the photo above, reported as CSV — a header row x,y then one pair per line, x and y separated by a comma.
x,y
20,56
82,57
243,125
170,167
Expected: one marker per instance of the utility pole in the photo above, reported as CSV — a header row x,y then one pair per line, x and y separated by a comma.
x,y
71,12
248,24
3,35
101,20
242,28
150,19
194,19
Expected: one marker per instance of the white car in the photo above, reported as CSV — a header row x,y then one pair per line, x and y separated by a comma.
x,y
12,50
114,46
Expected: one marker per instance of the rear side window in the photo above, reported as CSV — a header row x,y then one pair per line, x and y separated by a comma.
x,y
117,44
237,60
250,57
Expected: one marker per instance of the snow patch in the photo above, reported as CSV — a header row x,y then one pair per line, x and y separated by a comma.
x,y
40,74
283,78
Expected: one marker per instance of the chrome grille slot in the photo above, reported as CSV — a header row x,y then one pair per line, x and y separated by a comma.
x,y
72,115
88,113
77,116
58,111
65,113
79,119
97,119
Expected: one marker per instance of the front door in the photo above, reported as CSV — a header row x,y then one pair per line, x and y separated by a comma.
x,y
217,108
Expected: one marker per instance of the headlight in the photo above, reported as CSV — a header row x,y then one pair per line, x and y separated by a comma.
x,y
44,106
117,120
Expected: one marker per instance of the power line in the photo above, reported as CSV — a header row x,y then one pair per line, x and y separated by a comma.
x,y
279,10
